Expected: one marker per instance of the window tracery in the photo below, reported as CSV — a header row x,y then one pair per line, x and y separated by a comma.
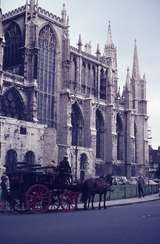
x,y
12,105
99,135
46,75
13,49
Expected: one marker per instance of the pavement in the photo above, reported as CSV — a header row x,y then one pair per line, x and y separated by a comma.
x,y
128,201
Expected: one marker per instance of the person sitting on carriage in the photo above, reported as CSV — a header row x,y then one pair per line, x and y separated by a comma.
x,y
65,172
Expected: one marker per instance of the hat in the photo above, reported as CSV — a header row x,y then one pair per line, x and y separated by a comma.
x,y
65,156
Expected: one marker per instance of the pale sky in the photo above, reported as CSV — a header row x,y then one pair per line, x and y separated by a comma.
x,y
138,19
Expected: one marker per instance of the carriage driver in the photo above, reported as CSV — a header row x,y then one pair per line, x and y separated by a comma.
x,y
65,172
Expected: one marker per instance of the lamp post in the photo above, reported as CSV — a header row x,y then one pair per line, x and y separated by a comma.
x,y
76,135
76,162
76,152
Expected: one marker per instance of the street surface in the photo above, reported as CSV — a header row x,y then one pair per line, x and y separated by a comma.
x,y
132,224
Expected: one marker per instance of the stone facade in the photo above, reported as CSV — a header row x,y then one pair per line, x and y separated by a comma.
x,y
57,99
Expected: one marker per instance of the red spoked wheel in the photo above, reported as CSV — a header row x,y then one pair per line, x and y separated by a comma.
x,y
68,200
38,198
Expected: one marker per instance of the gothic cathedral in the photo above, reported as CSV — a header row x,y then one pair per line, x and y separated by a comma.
x,y
57,99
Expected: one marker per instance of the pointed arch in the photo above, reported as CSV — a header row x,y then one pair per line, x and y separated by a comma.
x,y
102,84
99,134
13,49
73,70
46,74
120,137
11,161
13,105
93,80
88,76
77,121
135,143
83,77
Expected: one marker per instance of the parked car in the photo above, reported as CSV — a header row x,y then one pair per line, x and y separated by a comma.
x,y
119,180
132,180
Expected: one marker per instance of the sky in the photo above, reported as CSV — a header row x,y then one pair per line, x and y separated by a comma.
x,y
130,20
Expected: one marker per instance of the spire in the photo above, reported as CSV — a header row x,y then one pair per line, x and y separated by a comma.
x,y
79,43
135,71
98,53
64,13
128,79
67,20
109,37
144,77
33,6
32,3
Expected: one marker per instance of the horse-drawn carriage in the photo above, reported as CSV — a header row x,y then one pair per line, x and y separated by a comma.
x,y
36,191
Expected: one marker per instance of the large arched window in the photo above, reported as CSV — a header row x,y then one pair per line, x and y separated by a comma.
x,y
77,126
46,75
99,135
11,161
12,105
13,49
93,80
83,77
135,144
88,78
120,138
102,84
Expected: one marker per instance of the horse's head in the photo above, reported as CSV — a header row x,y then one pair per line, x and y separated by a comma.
x,y
108,178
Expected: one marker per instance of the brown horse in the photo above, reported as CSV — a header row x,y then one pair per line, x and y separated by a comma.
x,y
93,186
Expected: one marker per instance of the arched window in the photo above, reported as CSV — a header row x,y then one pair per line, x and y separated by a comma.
x,y
99,135
88,78
46,75
83,77
12,104
102,84
77,126
11,161
74,70
29,158
135,144
120,138
93,80
13,49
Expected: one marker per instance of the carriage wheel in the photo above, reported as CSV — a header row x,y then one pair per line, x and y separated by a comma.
x,y
38,198
68,200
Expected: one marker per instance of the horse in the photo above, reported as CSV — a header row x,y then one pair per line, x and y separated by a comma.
x,y
93,186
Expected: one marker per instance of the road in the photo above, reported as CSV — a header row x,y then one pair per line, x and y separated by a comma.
x,y
132,224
